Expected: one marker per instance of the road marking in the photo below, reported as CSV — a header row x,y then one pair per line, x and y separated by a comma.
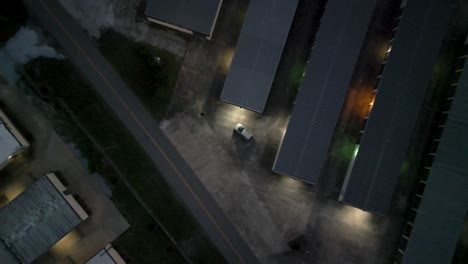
x,y
145,130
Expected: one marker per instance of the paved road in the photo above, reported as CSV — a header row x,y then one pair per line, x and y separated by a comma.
x,y
82,51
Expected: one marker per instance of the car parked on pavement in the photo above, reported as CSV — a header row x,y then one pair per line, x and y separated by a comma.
x,y
241,130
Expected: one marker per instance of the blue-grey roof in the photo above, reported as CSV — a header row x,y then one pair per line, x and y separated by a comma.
x,y
399,99
6,256
259,48
102,257
9,145
34,221
194,15
321,95
444,205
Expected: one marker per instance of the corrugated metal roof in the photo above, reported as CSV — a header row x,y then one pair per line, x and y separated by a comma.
x,y
444,205
320,99
400,96
102,257
6,256
35,220
195,15
8,143
259,48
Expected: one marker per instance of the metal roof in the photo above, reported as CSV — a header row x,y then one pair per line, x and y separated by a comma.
x,y
34,221
8,143
102,257
444,205
195,15
11,140
321,95
398,102
5,255
108,255
259,48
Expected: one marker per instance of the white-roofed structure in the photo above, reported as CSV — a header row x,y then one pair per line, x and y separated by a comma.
x,y
107,255
11,140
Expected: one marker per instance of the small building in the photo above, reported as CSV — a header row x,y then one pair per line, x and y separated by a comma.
x,y
107,255
185,15
12,141
37,219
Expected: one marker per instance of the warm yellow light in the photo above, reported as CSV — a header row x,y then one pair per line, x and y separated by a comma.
x,y
227,59
291,184
355,218
14,191
64,245
230,115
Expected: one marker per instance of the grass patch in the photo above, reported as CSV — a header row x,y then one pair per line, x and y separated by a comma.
x,y
142,244
144,241
150,72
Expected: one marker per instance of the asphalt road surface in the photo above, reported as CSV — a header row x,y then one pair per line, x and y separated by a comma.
x,y
84,54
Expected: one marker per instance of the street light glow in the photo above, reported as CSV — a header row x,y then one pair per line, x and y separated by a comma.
x,y
356,150
227,59
355,218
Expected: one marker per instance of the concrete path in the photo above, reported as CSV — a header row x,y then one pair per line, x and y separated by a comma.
x,y
130,111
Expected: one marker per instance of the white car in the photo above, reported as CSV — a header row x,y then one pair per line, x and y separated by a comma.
x,y
239,128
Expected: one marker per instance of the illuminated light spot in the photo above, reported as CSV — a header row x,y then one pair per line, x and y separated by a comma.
x,y
66,244
291,183
227,59
356,150
14,191
355,218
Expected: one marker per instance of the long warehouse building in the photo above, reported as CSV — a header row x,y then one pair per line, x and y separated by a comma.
x,y
258,52
443,208
318,104
399,99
